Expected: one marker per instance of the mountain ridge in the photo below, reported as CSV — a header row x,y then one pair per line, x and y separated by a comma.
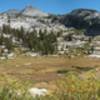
x,y
31,17
52,34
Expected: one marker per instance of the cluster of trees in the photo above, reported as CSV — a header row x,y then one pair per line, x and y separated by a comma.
x,y
6,42
41,42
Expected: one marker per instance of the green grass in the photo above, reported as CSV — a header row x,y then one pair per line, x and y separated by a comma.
x,y
70,88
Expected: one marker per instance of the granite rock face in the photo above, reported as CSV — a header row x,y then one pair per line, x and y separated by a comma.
x,y
83,18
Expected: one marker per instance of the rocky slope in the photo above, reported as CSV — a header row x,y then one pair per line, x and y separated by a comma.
x,y
30,18
84,19
30,11
48,33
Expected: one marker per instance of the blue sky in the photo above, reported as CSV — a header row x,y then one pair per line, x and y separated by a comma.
x,y
51,6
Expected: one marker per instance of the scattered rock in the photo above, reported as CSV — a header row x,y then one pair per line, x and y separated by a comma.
x,y
5,50
2,58
94,56
38,92
11,56
32,54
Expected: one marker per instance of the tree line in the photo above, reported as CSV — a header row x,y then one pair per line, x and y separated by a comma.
x,y
41,42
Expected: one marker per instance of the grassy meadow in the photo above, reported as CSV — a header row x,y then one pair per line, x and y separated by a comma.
x,y
65,78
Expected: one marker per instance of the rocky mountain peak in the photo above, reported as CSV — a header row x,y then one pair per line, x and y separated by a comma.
x,y
86,13
85,19
31,11
82,10
11,12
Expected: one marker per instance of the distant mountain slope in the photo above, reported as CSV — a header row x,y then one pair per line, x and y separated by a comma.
x,y
11,12
83,18
35,31
31,18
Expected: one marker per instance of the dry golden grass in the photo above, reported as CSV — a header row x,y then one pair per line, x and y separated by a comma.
x,y
40,69
43,71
